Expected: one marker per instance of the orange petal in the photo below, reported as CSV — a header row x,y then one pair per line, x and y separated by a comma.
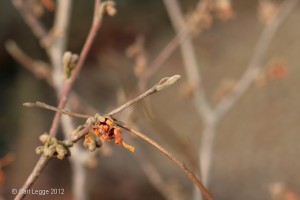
x,y
129,147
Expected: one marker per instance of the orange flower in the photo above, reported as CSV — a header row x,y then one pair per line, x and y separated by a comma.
x,y
106,130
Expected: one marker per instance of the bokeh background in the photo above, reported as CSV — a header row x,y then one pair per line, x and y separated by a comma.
x,y
257,144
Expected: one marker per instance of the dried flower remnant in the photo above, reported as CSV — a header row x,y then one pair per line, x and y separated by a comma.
x,y
137,52
224,10
104,128
48,4
267,9
35,7
280,191
107,7
277,70
224,89
199,19
186,90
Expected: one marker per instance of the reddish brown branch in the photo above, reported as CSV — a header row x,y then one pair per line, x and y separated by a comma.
x,y
65,93
182,165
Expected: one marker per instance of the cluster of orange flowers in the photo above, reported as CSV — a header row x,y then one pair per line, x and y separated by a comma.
x,y
105,129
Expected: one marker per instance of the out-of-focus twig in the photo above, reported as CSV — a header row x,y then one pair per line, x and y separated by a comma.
x,y
255,63
192,69
40,69
212,116
66,91
189,57
252,71
36,26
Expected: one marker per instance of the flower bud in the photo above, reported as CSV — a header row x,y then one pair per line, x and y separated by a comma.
x,y
39,150
92,146
48,152
43,138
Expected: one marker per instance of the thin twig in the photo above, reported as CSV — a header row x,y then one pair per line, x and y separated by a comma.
x,y
40,69
150,170
80,134
69,83
189,58
46,106
36,26
182,165
159,60
59,42
191,66
162,84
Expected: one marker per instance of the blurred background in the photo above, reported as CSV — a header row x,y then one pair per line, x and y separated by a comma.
x,y
256,150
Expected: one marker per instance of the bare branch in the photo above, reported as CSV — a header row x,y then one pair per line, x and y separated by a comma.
x,y
40,69
182,165
40,165
163,84
36,26
255,64
65,93
209,133
189,58
46,106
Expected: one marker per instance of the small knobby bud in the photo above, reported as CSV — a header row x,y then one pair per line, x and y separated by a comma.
x,y
67,143
53,140
48,152
43,138
39,150
99,118
60,149
86,143
110,8
92,146
107,7
167,82
60,156
90,120
69,63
